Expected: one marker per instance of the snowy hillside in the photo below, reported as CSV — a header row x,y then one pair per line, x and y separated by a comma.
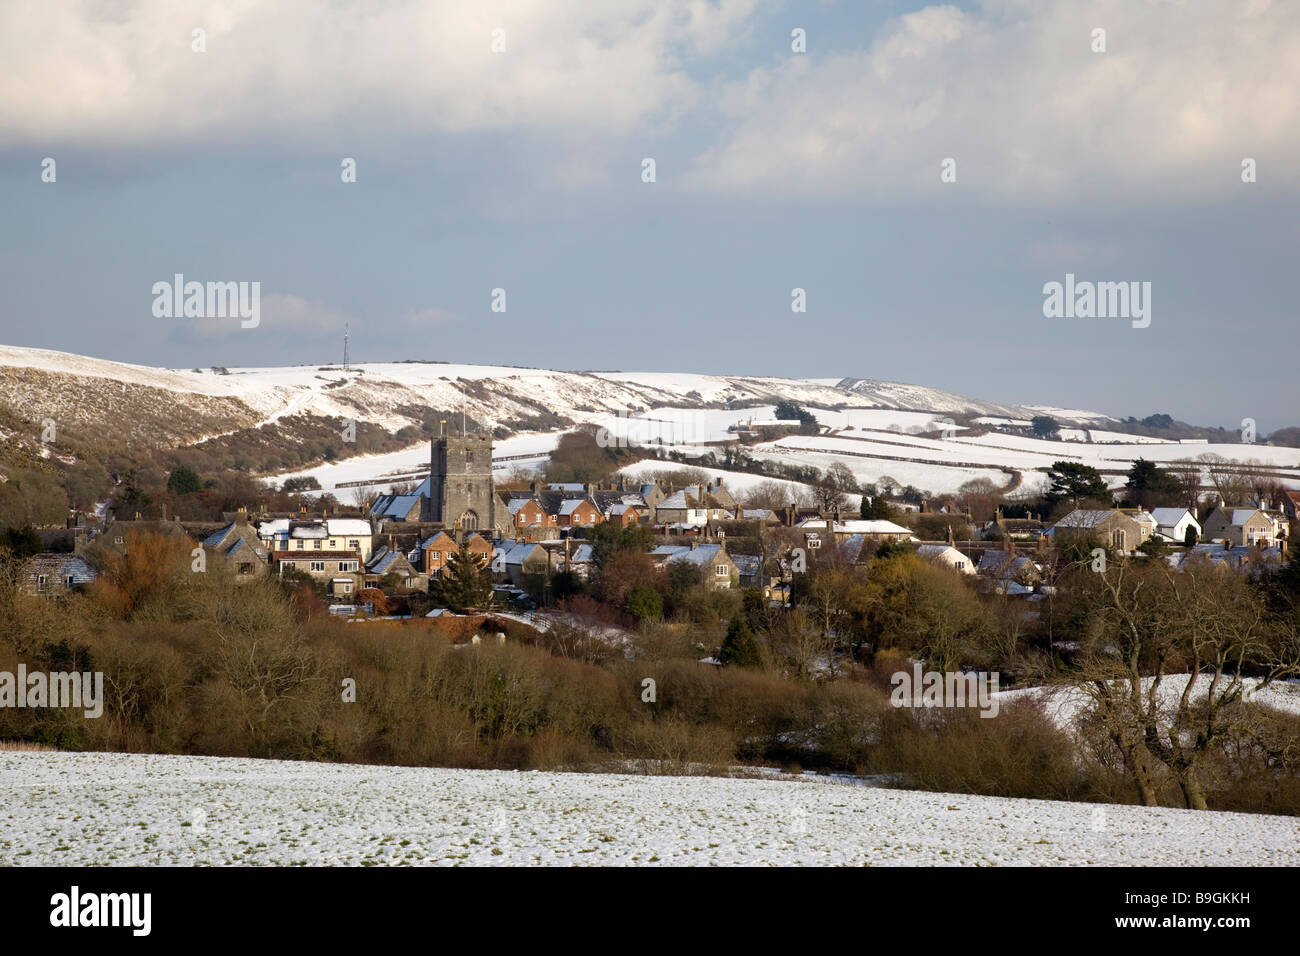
x,y
871,427
126,809
387,393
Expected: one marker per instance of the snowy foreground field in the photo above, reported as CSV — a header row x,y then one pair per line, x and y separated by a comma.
x,y
93,809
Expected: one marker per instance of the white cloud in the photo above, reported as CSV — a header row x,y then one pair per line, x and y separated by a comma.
x,y
292,68
1014,92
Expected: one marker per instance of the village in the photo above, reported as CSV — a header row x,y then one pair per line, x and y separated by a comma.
x,y
395,546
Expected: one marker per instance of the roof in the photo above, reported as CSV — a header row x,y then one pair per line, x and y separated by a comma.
x,y
1087,517
348,527
515,504
857,526
678,499
748,564
1002,564
1169,517
382,560
393,506
61,566
273,527
702,555
932,551
569,505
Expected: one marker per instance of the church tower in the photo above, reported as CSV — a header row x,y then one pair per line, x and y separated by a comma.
x,y
461,494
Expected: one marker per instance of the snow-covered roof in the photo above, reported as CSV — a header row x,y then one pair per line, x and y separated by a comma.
x,y
516,503
349,527
701,555
866,526
394,506
932,551
1085,518
1169,517
569,505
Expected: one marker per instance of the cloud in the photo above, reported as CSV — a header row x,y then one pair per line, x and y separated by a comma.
x,y
1014,92
294,70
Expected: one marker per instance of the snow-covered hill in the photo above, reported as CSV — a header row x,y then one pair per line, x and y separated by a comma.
x,y
390,394
126,809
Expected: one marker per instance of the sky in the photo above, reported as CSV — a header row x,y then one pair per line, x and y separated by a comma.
x,y
1112,157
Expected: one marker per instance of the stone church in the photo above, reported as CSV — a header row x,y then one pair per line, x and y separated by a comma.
x,y
459,493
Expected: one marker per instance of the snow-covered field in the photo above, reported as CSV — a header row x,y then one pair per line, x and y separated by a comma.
x,y
1066,706
118,809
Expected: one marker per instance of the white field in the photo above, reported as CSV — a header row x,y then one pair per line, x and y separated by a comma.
x,y
120,809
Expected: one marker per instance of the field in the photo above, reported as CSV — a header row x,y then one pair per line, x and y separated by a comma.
x,y
118,809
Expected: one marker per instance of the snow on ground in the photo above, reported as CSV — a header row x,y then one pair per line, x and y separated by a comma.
x,y
121,809
1066,705
739,483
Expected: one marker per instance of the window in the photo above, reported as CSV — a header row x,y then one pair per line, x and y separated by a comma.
x,y
347,565
287,564
117,540
333,545
720,570
469,455
41,582
354,544
318,544
246,568
317,565
347,588
436,556
69,581
300,544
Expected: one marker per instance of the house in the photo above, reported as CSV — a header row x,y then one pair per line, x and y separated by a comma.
x,y
1009,572
719,567
1245,527
578,512
749,570
526,511
716,499
1144,518
352,536
435,552
515,560
681,509
575,557
240,547
387,561
874,529
946,555
1110,528
1173,523
1224,555
623,514
651,495
117,533
764,516
55,575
